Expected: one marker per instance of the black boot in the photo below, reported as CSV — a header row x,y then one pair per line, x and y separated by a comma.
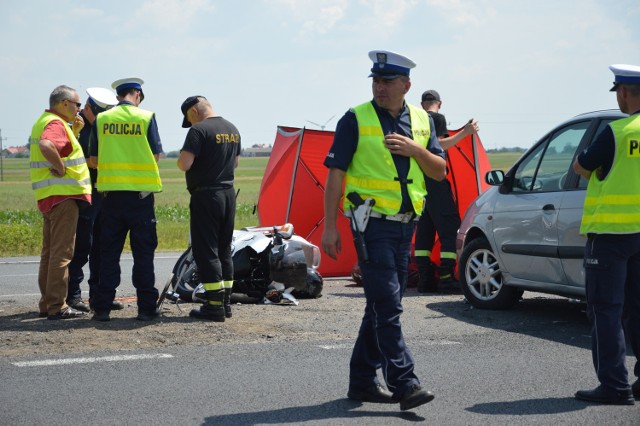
x,y
227,302
212,309
426,271
208,312
445,272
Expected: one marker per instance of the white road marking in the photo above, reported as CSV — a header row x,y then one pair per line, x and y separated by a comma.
x,y
52,362
342,346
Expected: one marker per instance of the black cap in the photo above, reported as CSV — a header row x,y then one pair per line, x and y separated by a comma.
x,y
430,95
188,103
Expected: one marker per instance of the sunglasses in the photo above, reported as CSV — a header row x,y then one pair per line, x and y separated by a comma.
x,y
78,104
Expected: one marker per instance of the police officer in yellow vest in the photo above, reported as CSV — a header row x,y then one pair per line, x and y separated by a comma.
x,y
611,221
126,151
87,230
61,184
381,149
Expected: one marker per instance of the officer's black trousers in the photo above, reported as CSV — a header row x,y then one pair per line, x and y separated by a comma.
x,y
612,274
124,212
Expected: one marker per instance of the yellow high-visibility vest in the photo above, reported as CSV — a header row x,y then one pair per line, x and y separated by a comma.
x,y
612,205
125,159
76,180
372,172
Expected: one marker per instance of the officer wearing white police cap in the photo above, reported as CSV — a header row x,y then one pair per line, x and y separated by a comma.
x,y
101,97
389,65
612,254
126,150
128,83
625,74
381,150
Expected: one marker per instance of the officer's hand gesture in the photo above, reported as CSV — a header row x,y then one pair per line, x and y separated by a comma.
x,y
78,124
401,145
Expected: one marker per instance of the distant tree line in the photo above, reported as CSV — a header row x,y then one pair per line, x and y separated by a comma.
x,y
503,149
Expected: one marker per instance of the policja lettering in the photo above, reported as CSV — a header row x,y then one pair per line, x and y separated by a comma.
x,y
634,146
130,129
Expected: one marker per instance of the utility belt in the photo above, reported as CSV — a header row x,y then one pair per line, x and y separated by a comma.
x,y
400,217
140,194
210,188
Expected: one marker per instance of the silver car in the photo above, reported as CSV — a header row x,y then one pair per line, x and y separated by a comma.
x,y
523,232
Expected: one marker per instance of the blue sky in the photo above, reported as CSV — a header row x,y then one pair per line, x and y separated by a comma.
x,y
519,67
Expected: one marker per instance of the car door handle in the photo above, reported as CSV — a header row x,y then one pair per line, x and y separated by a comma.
x,y
548,207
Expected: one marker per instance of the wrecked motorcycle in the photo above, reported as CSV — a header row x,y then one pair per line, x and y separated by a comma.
x,y
270,264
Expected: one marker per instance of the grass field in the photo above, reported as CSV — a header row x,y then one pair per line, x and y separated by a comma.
x,y
21,222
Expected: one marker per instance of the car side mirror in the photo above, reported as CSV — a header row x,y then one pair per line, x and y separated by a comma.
x,y
494,177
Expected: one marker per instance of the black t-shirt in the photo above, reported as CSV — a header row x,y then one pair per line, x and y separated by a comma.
x,y
440,124
215,142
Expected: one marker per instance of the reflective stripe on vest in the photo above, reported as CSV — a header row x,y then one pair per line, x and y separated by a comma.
x,y
125,159
612,205
76,180
372,172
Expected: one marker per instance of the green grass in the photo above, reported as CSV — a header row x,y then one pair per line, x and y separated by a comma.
x,y
21,222
504,160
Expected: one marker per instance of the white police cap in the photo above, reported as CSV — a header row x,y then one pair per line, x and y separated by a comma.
x,y
625,74
101,97
127,83
389,65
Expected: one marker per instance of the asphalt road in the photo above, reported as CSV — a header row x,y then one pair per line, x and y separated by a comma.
x,y
516,367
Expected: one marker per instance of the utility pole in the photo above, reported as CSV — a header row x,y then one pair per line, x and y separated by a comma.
x,y
1,160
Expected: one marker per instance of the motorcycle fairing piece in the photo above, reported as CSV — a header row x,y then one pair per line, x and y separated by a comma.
x,y
262,259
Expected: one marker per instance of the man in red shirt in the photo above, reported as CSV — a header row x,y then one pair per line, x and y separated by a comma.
x,y
61,184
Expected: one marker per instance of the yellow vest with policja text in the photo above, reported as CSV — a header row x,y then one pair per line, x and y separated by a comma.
x,y
125,159
612,205
372,172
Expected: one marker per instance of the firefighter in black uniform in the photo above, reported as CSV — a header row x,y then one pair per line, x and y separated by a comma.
x,y
441,214
612,254
209,157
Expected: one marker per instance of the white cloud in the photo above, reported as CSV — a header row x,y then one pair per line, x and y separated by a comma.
x,y
312,16
326,19
465,12
176,15
387,15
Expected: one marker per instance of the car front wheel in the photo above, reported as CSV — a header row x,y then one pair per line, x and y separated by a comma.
x,y
481,278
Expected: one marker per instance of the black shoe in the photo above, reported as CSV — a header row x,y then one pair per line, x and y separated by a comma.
x,y
79,305
148,316
635,389
601,395
415,396
374,393
66,313
208,312
101,316
117,306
